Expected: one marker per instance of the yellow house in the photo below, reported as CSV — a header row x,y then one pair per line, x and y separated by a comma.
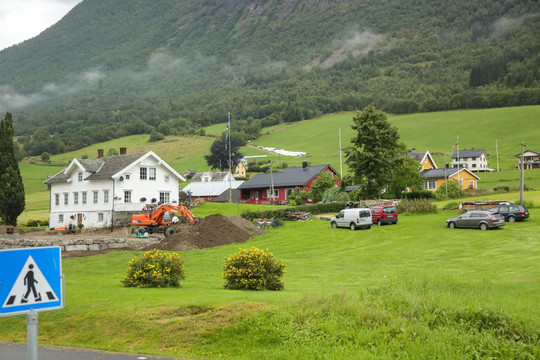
x,y
435,178
424,159
240,170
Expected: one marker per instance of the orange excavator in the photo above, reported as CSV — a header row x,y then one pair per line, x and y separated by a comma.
x,y
161,219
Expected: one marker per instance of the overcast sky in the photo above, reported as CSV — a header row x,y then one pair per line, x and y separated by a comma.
x,y
24,19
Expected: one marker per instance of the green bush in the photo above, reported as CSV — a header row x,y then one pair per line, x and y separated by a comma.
x,y
323,208
35,222
253,269
417,206
155,269
418,194
454,205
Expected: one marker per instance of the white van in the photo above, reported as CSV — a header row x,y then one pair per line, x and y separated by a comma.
x,y
352,218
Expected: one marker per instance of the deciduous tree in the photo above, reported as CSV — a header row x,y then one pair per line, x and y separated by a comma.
x,y
11,185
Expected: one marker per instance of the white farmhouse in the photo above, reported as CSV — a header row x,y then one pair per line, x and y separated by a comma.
x,y
106,190
474,160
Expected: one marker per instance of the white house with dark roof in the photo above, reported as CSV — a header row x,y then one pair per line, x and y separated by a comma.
x,y
474,160
105,190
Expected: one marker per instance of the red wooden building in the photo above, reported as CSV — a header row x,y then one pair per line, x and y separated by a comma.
x,y
257,190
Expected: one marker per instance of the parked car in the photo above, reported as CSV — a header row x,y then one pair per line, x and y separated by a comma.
x,y
511,213
352,218
482,220
381,215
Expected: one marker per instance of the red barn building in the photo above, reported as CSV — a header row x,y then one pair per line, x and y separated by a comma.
x,y
257,190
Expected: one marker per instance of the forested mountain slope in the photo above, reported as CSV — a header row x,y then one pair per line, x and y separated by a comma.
x,y
112,68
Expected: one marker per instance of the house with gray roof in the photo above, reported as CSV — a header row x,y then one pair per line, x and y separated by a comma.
x,y
259,188
105,191
474,160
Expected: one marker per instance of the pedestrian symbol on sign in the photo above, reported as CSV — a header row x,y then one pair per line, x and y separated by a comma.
x,y
31,287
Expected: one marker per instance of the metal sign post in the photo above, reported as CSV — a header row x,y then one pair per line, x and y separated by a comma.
x,y
31,281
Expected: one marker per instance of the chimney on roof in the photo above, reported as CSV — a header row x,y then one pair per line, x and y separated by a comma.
x,y
304,164
123,151
99,153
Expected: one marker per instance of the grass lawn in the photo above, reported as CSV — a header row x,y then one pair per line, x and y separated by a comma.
x,y
411,290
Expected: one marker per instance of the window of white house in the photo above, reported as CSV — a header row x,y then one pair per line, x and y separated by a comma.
x,y
56,199
66,199
430,185
164,197
76,198
79,176
100,217
143,173
106,196
61,218
84,197
127,196
127,176
95,196
473,165
151,173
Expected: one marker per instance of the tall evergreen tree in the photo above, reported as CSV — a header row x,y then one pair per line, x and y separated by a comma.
x,y
374,152
11,184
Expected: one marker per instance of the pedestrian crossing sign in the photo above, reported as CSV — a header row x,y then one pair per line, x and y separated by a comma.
x,y
30,280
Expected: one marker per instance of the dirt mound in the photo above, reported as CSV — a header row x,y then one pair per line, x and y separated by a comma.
x,y
4,230
213,230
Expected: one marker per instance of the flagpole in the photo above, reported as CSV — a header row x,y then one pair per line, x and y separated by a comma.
x,y
230,162
458,163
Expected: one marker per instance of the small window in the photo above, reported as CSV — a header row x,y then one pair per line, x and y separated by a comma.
x,y
79,176
106,196
66,199
100,217
56,199
143,173
127,196
151,173
127,176
76,198
164,197
84,197
61,218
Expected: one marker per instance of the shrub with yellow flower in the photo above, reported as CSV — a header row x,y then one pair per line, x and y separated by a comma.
x,y
253,269
155,269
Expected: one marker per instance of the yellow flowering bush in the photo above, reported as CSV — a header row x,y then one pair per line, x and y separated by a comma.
x,y
253,269
155,269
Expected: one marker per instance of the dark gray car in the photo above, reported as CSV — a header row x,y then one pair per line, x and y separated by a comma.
x,y
511,213
482,220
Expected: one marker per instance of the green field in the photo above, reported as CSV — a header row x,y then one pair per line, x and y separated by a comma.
x,y
413,290
319,138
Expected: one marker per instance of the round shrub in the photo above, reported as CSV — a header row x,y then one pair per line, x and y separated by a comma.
x,y
253,269
155,269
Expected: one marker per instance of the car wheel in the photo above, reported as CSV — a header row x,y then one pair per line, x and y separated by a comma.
x,y
379,222
353,227
511,219
483,226
334,225
452,225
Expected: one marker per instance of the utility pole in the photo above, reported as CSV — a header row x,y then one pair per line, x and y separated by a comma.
x,y
497,150
522,175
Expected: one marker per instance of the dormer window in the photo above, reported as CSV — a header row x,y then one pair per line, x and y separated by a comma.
x,y
79,176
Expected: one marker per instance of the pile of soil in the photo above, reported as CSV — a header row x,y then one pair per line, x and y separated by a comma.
x,y
3,230
213,230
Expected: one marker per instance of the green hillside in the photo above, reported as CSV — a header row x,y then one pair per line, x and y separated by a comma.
x,y
114,68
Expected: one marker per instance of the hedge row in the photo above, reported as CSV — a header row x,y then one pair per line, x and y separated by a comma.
x,y
314,209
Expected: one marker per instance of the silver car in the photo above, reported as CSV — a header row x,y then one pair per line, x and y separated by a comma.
x,y
482,220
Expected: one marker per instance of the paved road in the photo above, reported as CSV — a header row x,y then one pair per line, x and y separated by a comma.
x,y
18,351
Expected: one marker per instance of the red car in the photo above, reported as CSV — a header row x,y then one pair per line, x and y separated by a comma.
x,y
384,215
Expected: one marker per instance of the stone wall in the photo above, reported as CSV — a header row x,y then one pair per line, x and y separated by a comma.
x,y
76,242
